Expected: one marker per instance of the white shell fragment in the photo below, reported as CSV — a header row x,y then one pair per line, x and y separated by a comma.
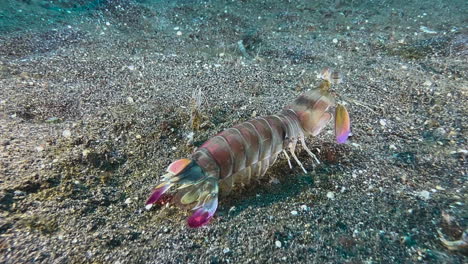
x,y
427,30
278,244
66,133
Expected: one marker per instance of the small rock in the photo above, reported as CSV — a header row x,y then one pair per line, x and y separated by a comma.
x,y
128,201
66,133
53,120
85,153
425,195
331,195
19,193
226,250
278,244
427,30
461,152
274,180
335,40
294,212
130,100
383,122
427,83
179,33
305,207
440,133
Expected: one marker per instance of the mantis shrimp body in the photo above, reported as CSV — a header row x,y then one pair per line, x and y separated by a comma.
x,y
246,151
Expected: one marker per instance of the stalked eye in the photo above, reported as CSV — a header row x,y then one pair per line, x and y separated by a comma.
x,y
178,166
342,124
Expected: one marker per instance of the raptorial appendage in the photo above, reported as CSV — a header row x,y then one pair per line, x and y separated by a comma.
x,y
194,188
317,107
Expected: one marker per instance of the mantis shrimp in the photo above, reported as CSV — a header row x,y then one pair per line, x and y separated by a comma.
x,y
246,151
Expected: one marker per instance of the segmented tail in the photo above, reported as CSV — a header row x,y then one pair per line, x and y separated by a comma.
x,y
195,189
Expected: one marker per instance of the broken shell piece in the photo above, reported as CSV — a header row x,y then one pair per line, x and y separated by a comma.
x,y
456,245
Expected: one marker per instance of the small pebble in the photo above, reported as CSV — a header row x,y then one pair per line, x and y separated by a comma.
x,y
383,122
425,195
18,193
331,195
66,133
278,244
305,207
335,40
226,250
427,30
179,33
86,152
128,201
427,83
294,212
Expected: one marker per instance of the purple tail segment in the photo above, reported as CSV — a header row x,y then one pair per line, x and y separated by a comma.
x,y
202,215
158,192
195,189
342,124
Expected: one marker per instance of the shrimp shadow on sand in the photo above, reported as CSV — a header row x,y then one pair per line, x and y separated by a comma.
x,y
291,182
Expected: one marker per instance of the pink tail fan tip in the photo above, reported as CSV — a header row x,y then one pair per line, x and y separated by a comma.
x,y
315,108
195,189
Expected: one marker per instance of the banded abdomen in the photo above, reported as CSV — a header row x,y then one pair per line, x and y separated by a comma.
x,y
246,151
